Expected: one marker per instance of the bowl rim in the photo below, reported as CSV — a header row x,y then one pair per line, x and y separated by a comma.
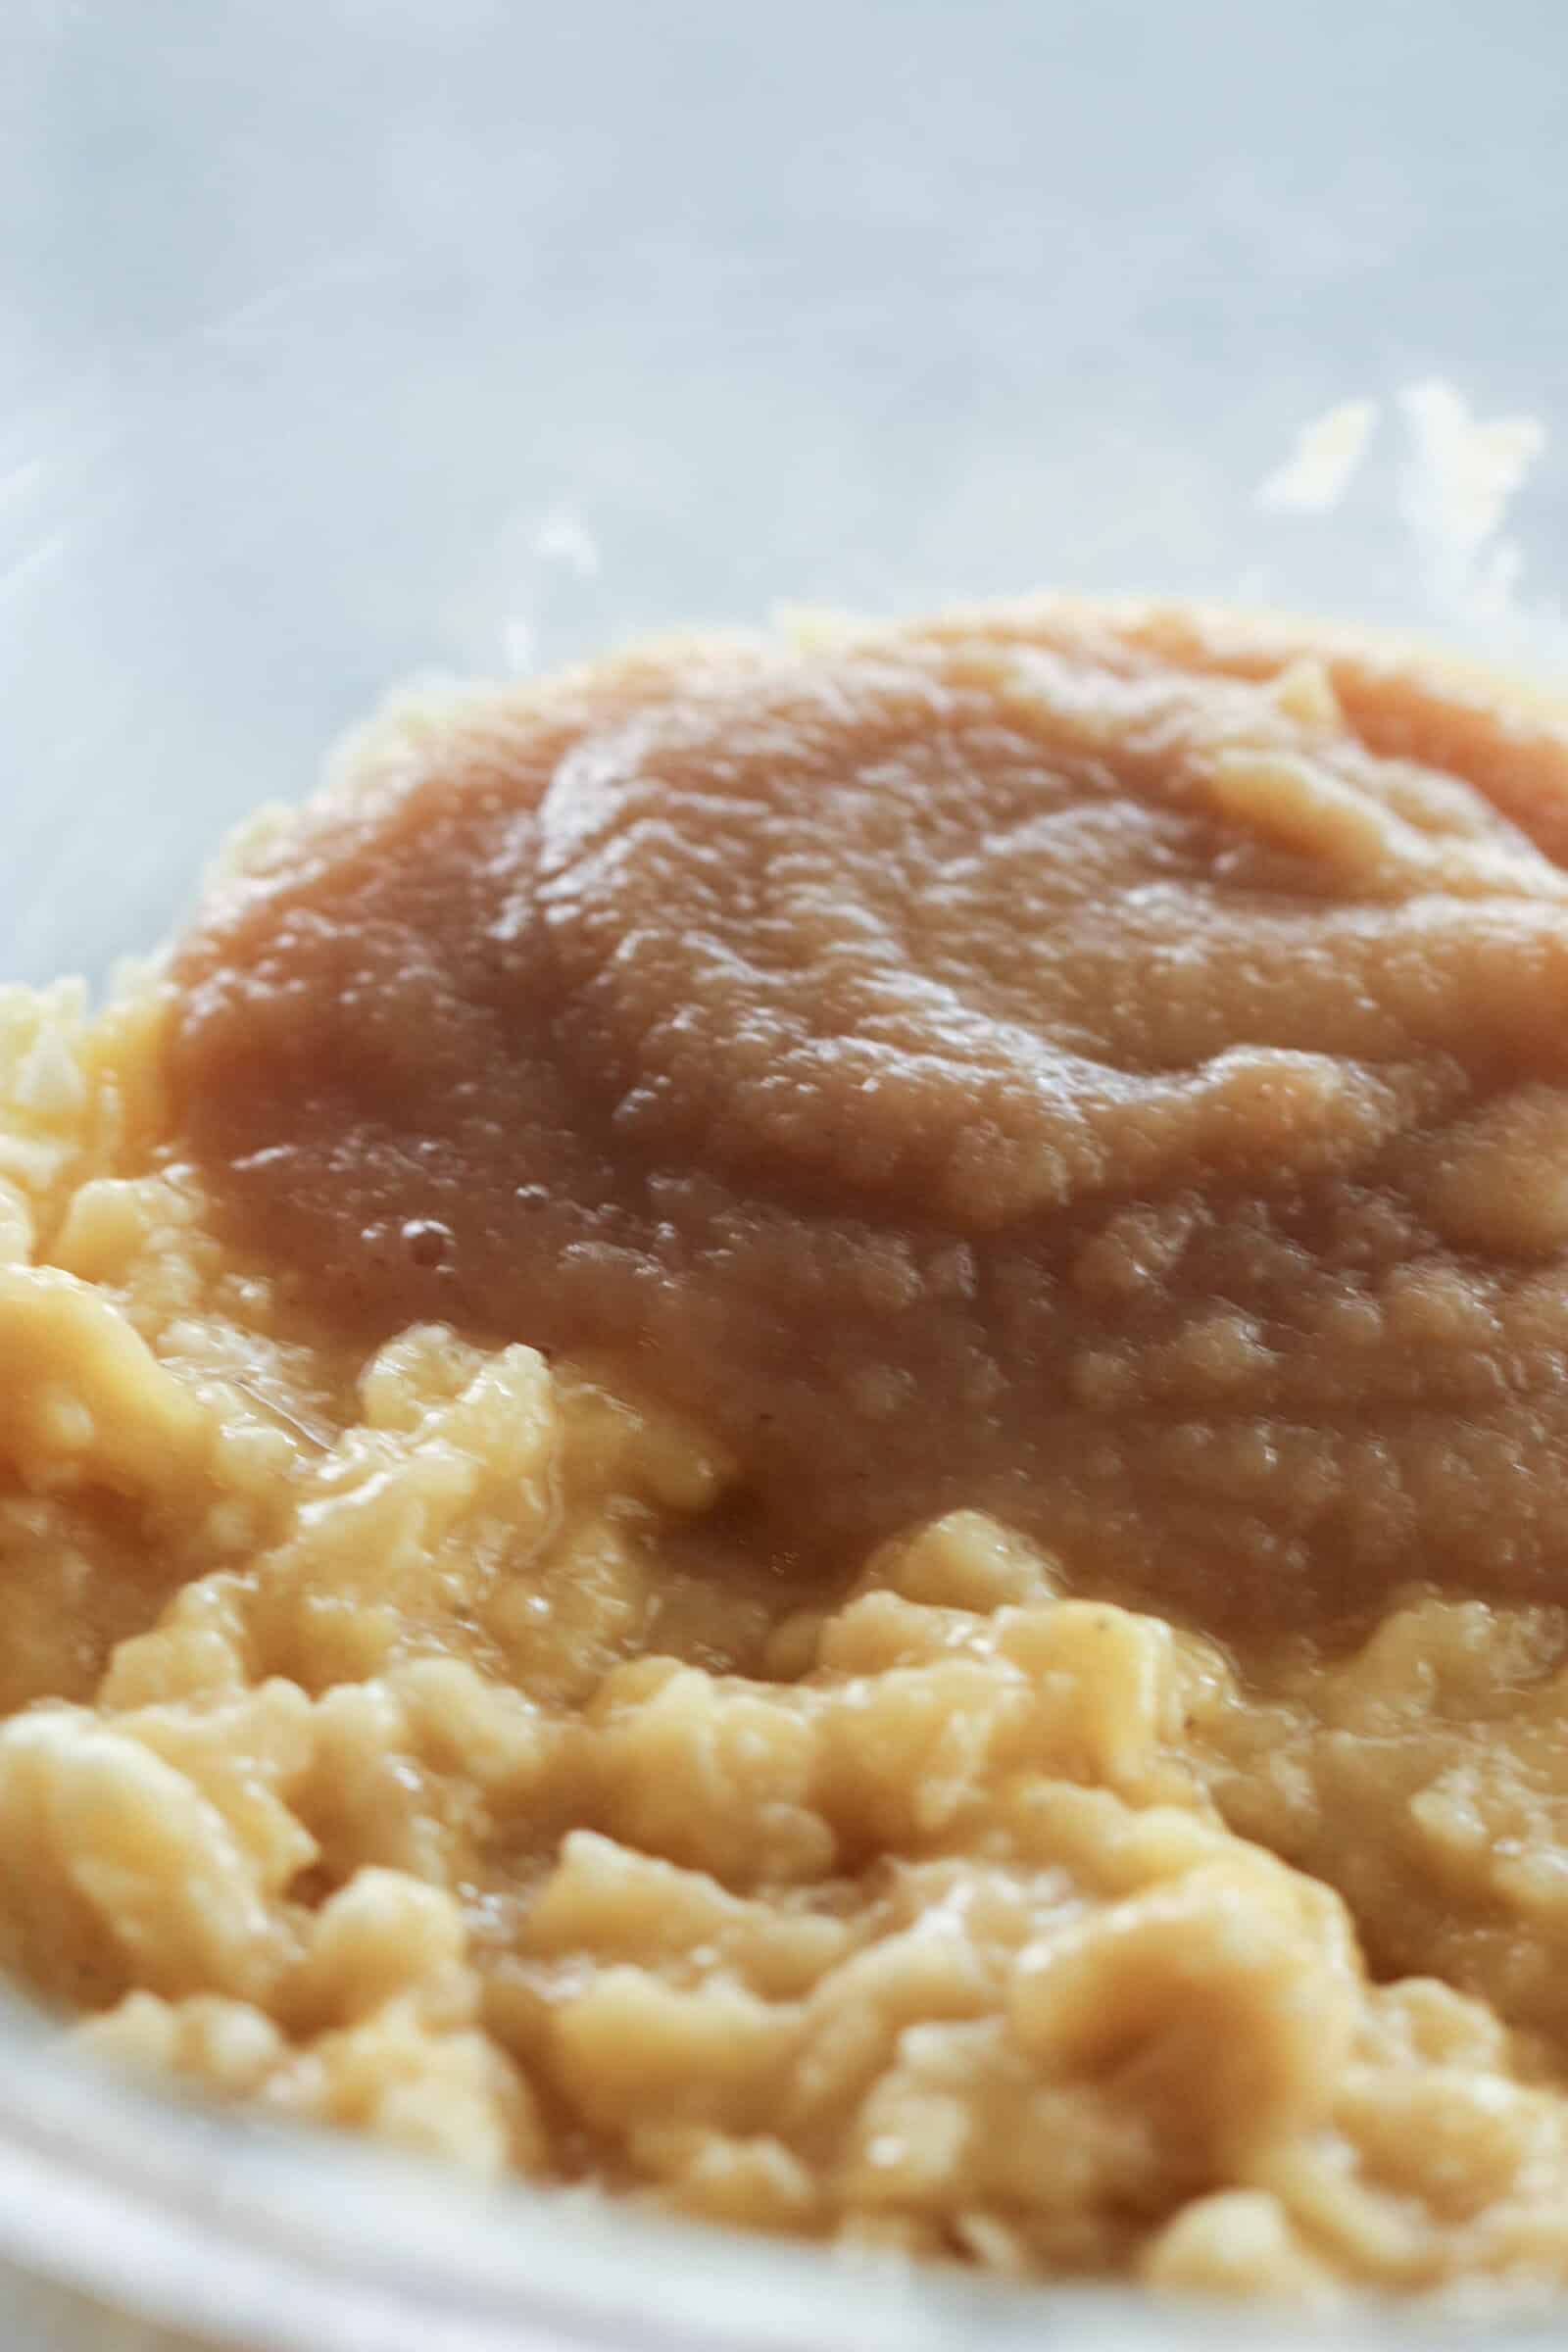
x,y
292,2238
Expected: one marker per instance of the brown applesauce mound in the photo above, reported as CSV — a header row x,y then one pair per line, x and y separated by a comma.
x,y
639,1392
1011,1064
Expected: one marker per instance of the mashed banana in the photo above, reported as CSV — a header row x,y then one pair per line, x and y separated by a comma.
x,y
482,1732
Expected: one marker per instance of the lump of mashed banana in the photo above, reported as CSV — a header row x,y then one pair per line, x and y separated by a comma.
x,y
642,1389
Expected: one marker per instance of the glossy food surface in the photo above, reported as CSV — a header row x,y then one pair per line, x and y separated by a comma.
x,y
1108,1070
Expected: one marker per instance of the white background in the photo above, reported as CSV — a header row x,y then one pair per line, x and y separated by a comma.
x,y
340,338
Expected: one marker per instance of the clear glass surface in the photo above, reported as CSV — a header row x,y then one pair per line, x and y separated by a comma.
x,y
344,339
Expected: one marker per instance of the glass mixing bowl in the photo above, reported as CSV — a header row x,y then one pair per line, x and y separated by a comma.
x,y
344,339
